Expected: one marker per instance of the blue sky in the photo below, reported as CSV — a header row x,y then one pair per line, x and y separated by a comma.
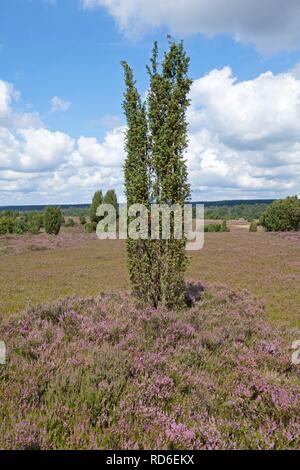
x,y
61,122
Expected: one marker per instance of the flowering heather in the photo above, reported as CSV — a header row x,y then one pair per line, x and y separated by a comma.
x,y
104,373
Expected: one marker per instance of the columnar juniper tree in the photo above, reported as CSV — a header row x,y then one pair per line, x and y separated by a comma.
x,y
167,105
111,198
97,200
156,172
137,184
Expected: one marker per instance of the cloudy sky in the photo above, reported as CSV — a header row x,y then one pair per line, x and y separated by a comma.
x,y
61,122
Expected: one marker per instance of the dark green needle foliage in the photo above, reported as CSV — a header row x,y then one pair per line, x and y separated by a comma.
x,y
282,215
111,198
253,226
97,200
52,220
156,171
137,185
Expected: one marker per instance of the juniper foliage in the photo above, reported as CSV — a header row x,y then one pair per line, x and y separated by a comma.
x,y
156,172
97,200
52,220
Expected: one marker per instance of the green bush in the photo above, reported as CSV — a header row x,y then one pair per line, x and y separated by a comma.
x,y
253,226
82,220
70,223
282,215
24,217
12,222
3,226
8,213
91,227
20,225
97,200
6,225
52,220
33,227
217,227
210,227
224,227
36,218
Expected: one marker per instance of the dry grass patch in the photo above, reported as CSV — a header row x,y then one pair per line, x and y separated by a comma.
x,y
37,269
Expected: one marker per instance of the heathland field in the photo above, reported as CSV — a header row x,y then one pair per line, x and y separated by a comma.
x,y
91,371
36,269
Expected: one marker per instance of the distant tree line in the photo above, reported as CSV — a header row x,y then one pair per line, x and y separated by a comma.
x,y
245,211
280,215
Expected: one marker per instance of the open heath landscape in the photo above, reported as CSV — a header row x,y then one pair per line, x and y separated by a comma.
x,y
40,268
149,232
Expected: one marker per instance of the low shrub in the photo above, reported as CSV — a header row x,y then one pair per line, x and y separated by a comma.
x,y
52,220
70,223
34,227
224,227
212,227
3,226
217,227
90,227
82,220
8,214
6,225
253,226
37,218
20,225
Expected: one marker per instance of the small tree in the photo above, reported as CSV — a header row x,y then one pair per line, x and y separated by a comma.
x,y
253,226
52,220
20,225
224,227
137,182
38,219
167,104
282,215
111,198
156,172
97,200
70,223
33,227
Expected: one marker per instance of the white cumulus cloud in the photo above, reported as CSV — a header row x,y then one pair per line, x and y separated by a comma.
x,y
38,165
109,153
43,150
270,24
244,136
59,105
7,95
244,142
